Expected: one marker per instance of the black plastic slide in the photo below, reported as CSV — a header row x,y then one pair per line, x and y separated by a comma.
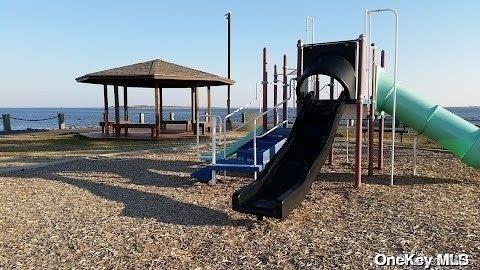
x,y
287,178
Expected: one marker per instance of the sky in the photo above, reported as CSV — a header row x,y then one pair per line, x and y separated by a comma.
x,y
45,45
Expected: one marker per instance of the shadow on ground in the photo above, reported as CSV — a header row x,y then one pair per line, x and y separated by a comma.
x,y
138,203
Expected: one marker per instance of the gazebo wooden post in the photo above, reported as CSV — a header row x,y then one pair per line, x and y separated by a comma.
x,y
160,106
209,103
105,108
117,110
196,108
157,111
125,104
192,103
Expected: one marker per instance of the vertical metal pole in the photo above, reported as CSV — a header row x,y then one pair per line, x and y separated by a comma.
x,y
125,104
317,87
381,127
275,80
299,71
265,89
395,68
105,108
285,94
332,89
229,121
255,147
346,140
415,154
214,151
358,152
371,119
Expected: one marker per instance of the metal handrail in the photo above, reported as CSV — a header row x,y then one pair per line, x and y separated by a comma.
x,y
214,139
244,107
285,101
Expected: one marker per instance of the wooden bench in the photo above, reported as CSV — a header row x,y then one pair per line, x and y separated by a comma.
x,y
126,126
110,123
182,122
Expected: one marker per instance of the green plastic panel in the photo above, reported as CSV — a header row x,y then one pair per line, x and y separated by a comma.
x,y
447,129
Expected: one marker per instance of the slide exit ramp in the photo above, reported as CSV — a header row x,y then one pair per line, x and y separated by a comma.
x,y
447,129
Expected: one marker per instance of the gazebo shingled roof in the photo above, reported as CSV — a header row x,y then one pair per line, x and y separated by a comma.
x,y
147,74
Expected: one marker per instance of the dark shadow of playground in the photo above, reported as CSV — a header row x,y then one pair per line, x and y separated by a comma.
x,y
137,203
142,171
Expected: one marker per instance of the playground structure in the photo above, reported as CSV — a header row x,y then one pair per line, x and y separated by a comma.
x,y
294,160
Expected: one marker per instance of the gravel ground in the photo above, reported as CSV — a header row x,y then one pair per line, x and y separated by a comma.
x,y
144,211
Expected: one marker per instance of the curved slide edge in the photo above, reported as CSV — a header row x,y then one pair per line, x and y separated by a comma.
x,y
447,129
288,177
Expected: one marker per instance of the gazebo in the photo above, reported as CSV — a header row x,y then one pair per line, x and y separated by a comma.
x,y
155,74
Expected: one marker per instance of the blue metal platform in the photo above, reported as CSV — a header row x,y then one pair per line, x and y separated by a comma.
x,y
242,159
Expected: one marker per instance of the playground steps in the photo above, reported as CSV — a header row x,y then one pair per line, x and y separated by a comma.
x,y
242,159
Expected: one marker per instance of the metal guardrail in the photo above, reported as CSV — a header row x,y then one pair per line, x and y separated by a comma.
x,y
244,107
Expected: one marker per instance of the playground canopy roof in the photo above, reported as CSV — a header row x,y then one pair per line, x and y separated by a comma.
x,y
155,73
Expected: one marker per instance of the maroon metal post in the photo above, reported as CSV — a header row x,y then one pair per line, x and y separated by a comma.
x,y
332,89
371,119
299,68
381,126
105,107
275,80
285,90
358,148
317,87
265,89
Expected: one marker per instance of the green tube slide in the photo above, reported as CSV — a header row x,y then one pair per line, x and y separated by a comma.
x,y
447,129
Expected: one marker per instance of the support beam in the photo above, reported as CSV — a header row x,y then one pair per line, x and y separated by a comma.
x,y
265,89
285,90
360,85
196,108
125,104
332,91
105,109
229,19
160,105
299,68
209,103
317,87
381,126
117,109
371,119
192,105
157,111
275,90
